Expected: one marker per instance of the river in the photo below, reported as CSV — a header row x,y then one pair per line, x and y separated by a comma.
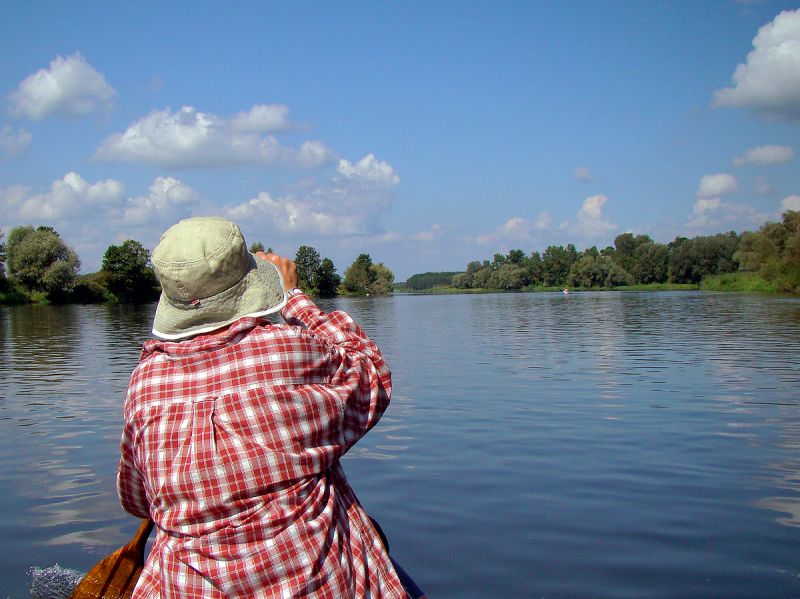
x,y
538,445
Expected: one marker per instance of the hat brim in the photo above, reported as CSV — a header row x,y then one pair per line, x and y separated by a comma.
x,y
259,292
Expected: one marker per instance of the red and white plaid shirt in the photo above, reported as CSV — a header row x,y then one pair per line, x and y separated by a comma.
x,y
232,445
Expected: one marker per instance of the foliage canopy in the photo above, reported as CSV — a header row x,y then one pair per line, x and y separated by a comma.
x,y
40,261
130,275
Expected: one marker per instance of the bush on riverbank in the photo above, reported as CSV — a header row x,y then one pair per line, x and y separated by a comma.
x,y
747,282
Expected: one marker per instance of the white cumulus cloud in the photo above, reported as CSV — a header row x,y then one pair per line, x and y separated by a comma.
x,y
68,197
71,87
261,118
166,199
13,142
791,202
290,215
591,220
710,215
189,138
763,155
517,230
369,169
769,82
716,185
350,204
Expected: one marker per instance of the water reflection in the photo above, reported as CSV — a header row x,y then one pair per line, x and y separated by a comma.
x,y
64,371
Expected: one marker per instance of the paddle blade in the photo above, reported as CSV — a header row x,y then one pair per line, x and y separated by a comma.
x,y
115,576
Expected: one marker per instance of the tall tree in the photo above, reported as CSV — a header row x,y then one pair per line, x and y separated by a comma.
x,y
556,262
383,279
308,263
327,278
358,277
130,275
625,246
597,271
536,268
510,277
517,257
693,259
650,263
39,260
2,259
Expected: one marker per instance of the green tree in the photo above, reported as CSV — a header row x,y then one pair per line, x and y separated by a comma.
x,y
362,276
358,277
429,280
517,257
383,279
308,263
755,250
130,275
472,268
774,251
461,281
257,246
2,261
650,263
693,259
597,271
327,278
556,263
480,280
509,277
39,260
625,246
536,268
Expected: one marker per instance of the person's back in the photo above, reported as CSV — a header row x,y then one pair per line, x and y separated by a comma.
x,y
234,427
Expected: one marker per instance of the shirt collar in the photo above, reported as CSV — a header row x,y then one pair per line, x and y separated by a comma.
x,y
205,342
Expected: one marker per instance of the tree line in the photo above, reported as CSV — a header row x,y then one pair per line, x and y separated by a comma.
x,y
772,253
36,265
429,280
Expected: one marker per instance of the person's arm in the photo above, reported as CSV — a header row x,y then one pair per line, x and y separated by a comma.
x,y
130,486
362,378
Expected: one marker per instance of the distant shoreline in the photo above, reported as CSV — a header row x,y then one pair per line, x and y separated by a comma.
x,y
727,283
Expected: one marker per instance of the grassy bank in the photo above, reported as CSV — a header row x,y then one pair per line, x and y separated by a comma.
x,y
742,282
659,287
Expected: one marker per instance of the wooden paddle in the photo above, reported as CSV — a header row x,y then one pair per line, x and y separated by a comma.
x,y
114,576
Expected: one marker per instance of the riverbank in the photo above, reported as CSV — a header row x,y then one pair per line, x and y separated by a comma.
x,y
539,289
740,282
90,290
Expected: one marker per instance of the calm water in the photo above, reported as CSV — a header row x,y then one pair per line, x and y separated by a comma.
x,y
538,445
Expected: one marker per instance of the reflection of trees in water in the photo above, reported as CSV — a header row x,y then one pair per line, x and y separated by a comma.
x,y
754,339
63,378
733,357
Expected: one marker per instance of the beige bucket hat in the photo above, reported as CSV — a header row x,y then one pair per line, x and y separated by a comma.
x,y
209,279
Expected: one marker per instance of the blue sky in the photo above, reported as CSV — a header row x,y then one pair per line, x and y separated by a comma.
x,y
425,134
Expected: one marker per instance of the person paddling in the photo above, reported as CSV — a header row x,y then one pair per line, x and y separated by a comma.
x,y
234,428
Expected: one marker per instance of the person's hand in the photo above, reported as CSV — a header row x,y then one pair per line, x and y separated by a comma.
x,y
287,268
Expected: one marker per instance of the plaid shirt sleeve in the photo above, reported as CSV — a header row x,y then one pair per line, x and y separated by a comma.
x,y
362,369
130,486
232,444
